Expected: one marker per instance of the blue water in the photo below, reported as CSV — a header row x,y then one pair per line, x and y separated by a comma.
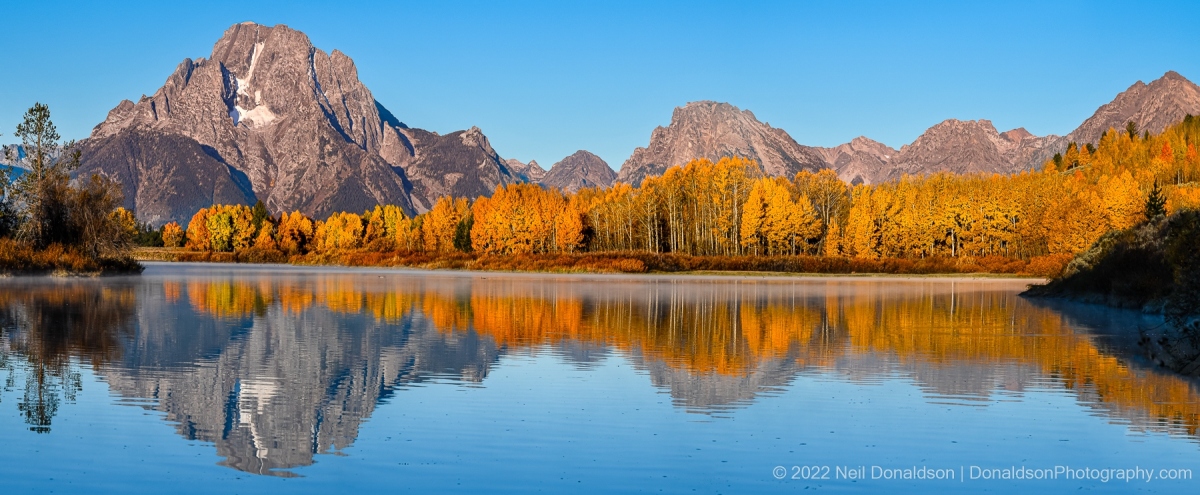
x,y
198,378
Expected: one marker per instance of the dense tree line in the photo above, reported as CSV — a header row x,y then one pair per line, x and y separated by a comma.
x,y
730,208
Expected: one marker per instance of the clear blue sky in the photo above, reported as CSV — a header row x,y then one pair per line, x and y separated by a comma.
x,y
545,79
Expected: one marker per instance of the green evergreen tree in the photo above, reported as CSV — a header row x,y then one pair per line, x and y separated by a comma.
x,y
44,189
462,234
1156,203
258,214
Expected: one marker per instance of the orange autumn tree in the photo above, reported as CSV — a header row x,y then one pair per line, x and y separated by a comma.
x,y
340,231
439,224
222,228
828,195
197,231
295,232
525,218
173,235
693,209
266,237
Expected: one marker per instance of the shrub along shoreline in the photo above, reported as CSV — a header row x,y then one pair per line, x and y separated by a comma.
x,y
624,262
60,260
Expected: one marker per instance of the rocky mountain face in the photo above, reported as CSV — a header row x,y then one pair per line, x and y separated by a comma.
x,y
461,163
279,120
167,177
1153,107
970,146
976,146
860,161
707,129
529,172
580,170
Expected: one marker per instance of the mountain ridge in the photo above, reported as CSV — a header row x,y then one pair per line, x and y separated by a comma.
x,y
707,129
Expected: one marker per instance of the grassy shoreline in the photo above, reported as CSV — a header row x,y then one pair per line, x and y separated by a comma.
x,y
17,259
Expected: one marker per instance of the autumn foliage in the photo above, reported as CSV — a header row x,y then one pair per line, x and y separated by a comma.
x,y
732,216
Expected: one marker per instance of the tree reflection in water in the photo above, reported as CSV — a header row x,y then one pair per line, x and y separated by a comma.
x,y
50,326
274,369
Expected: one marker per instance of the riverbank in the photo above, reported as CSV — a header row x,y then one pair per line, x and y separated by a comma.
x,y
1153,267
631,262
58,260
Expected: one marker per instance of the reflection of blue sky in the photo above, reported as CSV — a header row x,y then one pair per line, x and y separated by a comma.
x,y
540,423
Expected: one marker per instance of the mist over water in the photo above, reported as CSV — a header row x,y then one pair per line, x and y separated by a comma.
x,y
344,379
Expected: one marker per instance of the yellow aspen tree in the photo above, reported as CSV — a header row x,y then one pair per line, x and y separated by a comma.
x,y
1124,205
806,224
242,219
126,220
438,227
266,237
197,231
754,213
861,236
568,226
833,242
173,235
408,234
220,230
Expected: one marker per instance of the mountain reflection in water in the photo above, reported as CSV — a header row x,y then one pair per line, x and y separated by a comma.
x,y
274,368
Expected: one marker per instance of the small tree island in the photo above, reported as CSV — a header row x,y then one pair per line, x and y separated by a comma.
x,y
51,224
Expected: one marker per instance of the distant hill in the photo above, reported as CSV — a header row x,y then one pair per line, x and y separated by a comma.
x,y
971,146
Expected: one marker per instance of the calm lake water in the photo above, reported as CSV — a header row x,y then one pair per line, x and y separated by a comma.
x,y
203,378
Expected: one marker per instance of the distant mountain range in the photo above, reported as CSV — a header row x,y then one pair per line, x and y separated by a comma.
x,y
270,117
713,130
